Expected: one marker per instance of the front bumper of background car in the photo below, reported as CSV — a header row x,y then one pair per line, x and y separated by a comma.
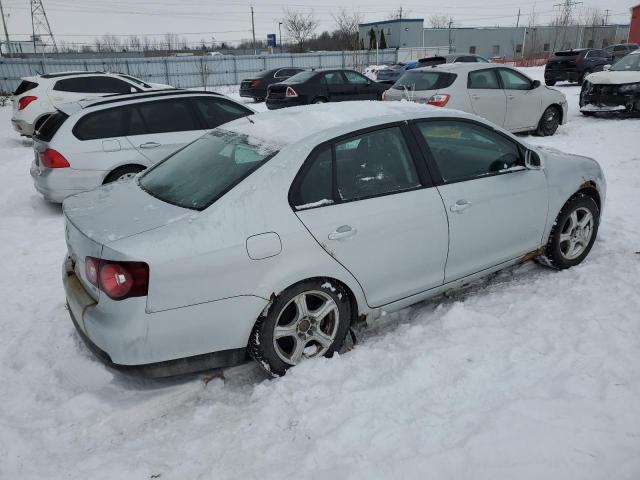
x,y
609,97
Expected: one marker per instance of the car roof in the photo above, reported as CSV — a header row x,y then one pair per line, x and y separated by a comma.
x,y
71,74
462,66
325,121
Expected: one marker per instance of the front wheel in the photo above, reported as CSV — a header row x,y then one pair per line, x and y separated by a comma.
x,y
310,319
549,122
573,233
125,172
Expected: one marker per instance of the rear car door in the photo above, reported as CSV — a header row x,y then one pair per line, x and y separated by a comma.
x,y
364,88
371,206
497,208
337,88
169,125
523,101
488,99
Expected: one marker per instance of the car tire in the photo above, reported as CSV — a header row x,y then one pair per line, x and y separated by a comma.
x,y
123,173
549,83
319,100
549,122
588,114
311,314
573,233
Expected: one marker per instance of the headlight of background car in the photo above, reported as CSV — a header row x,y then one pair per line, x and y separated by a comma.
x,y
629,88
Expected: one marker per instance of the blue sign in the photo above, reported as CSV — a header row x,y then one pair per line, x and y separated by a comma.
x,y
271,40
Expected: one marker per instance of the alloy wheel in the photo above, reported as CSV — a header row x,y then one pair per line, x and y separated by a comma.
x,y
576,233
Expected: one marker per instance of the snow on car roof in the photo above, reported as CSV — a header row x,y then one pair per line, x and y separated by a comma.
x,y
290,125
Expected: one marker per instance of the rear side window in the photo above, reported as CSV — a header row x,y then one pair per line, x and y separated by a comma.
x,y
332,78
464,151
214,112
49,128
169,116
76,85
431,80
354,78
25,86
113,122
483,80
316,187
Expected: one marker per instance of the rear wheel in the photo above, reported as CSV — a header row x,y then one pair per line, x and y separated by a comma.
x,y
573,233
549,122
125,172
319,100
549,83
310,319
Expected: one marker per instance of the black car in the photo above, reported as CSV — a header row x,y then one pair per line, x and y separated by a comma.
x,y
621,50
256,87
320,86
451,58
574,65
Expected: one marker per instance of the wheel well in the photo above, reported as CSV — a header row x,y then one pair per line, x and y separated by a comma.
x,y
353,304
589,189
107,177
559,108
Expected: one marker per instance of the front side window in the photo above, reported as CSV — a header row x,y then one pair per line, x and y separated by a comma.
x,y
629,63
332,78
214,112
355,78
372,164
168,116
483,80
206,169
513,80
464,151
110,85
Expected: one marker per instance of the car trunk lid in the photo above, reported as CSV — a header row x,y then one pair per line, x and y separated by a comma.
x,y
277,90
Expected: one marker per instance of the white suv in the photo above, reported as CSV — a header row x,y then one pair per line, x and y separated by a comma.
x,y
36,97
89,143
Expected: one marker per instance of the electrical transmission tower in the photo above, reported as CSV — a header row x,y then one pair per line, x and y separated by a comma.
x,y
40,26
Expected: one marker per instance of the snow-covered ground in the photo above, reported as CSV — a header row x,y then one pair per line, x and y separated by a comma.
x,y
534,374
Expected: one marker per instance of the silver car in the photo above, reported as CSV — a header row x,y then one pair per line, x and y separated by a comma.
x,y
89,143
274,234
498,93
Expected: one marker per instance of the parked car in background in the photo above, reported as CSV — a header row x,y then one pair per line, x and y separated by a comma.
x,y
36,97
256,87
391,73
321,86
451,58
621,50
270,237
89,143
574,65
615,90
500,94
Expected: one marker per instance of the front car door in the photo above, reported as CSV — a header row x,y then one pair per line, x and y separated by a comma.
x,y
497,208
170,124
371,206
488,100
337,88
364,88
523,101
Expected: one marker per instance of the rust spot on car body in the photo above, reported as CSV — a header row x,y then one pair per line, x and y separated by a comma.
x,y
531,255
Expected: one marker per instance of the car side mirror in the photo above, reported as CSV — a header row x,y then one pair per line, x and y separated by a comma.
x,y
532,160
606,67
535,84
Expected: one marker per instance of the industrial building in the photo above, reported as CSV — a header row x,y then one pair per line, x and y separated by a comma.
x,y
507,42
634,31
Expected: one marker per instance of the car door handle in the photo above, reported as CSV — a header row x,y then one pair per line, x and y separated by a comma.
x,y
475,97
511,97
342,232
150,145
460,206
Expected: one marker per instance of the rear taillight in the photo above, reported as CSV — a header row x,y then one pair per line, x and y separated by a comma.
x,y
290,92
255,83
438,100
25,101
52,159
119,280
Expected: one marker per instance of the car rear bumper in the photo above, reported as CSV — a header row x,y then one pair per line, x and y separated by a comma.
x,y
560,75
22,127
55,184
252,93
125,336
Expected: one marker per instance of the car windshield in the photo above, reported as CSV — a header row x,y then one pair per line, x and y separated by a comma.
x,y
300,77
420,80
206,169
629,63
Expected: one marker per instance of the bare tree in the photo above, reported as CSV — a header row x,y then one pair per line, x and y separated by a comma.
x,y
399,13
170,41
299,26
347,28
441,21
134,43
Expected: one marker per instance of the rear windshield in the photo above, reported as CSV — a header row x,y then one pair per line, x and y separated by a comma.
x,y
49,128
568,53
206,169
25,86
300,77
420,80
630,63
427,62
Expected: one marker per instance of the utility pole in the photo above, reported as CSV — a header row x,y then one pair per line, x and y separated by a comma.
x,y
6,33
518,21
40,25
280,37
565,16
253,30
450,43
606,16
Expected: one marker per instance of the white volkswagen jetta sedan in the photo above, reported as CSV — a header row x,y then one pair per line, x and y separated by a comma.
x,y
502,95
274,233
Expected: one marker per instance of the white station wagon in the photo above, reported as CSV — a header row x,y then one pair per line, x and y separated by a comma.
x,y
274,233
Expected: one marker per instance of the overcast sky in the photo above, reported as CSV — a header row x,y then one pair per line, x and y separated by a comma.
x,y
230,20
